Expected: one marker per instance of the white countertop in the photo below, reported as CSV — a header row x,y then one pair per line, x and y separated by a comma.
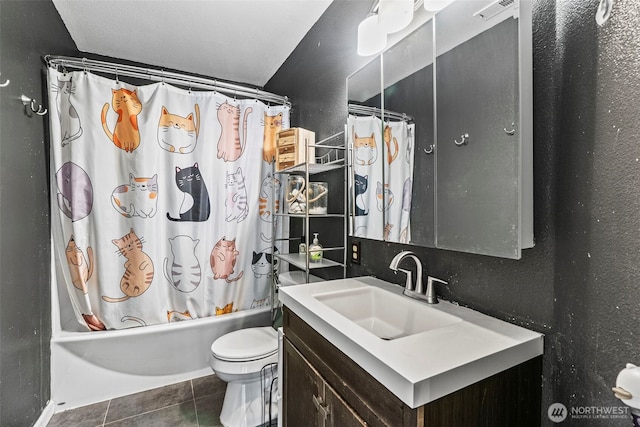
x,y
423,367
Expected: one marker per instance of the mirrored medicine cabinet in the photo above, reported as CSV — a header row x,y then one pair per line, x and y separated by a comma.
x,y
440,126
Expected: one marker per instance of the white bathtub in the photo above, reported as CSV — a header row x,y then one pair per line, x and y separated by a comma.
x,y
89,367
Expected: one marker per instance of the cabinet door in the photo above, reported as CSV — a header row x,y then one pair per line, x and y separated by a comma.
x,y
340,414
301,385
308,399
478,183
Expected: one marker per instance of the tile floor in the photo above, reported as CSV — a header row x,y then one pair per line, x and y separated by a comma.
x,y
194,403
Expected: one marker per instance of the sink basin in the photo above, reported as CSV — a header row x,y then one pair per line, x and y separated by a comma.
x,y
419,351
386,315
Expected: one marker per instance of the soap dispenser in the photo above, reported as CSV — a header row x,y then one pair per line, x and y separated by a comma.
x,y
315,249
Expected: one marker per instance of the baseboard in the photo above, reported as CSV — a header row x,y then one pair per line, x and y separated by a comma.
x,y
45,415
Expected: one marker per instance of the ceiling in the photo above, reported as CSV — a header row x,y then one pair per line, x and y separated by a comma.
x,y
240,40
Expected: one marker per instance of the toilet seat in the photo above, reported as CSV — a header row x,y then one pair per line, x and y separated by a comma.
x,y
245,345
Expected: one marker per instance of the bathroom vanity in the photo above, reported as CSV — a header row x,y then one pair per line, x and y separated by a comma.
x,y
404,363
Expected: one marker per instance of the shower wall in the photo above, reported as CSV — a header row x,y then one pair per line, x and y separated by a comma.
x,y
28,29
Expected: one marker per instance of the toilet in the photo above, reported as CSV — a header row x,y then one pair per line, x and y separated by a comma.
x,y
238,358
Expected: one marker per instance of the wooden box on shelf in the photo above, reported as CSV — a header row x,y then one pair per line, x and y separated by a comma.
x,y
290,147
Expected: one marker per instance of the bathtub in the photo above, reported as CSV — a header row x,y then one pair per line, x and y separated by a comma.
x,y
90,367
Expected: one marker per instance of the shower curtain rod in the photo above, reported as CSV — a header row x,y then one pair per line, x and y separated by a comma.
x,y
160,75
388,114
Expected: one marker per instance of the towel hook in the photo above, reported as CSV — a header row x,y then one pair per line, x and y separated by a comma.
x,y
464,141
431,149
5,84
32,104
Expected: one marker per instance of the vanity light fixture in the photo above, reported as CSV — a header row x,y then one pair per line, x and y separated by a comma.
x,y
372,38
395,15
435,5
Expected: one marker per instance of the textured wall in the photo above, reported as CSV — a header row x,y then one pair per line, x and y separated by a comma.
x,y
578,285
28,30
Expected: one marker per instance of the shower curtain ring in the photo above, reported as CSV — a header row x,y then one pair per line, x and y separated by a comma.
x,y
117,80
162,74
84,65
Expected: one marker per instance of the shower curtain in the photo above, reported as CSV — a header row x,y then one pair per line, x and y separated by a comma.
x,y
382,183
162,200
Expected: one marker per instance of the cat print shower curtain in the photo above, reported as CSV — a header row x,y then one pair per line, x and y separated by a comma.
x,y
162,200
382,182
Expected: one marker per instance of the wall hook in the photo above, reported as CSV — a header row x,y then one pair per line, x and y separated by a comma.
x,y
464,141
431,149
512,131
32,104
604,11
5,84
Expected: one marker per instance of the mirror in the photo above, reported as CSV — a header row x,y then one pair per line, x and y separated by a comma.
x,y
461,86
408,93
364,136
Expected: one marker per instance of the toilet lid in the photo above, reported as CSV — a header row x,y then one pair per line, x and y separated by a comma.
x,y
246,344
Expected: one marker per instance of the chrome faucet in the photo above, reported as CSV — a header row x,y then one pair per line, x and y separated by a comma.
x,y
417,292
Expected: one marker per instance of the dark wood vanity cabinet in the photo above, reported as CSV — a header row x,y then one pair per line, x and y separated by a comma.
x,y
325,388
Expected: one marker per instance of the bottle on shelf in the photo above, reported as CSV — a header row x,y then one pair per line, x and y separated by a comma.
x,y
315,249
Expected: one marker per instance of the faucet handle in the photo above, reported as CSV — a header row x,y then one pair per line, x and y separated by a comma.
x,y
432,298
409,283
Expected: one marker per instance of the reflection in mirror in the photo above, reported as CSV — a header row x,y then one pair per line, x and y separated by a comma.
x,y
364,129
408,89
392,183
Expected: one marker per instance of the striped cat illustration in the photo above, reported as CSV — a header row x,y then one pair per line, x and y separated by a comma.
x,y
261,303
230,148
81,270
127,106
272,125
138,198
185,272
138,273
388,138
235,202
223,260
266,193
178,134
70,126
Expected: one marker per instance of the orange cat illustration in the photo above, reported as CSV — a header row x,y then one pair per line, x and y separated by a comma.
x,y
387,141
272,125
81,271
126,134
138,273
